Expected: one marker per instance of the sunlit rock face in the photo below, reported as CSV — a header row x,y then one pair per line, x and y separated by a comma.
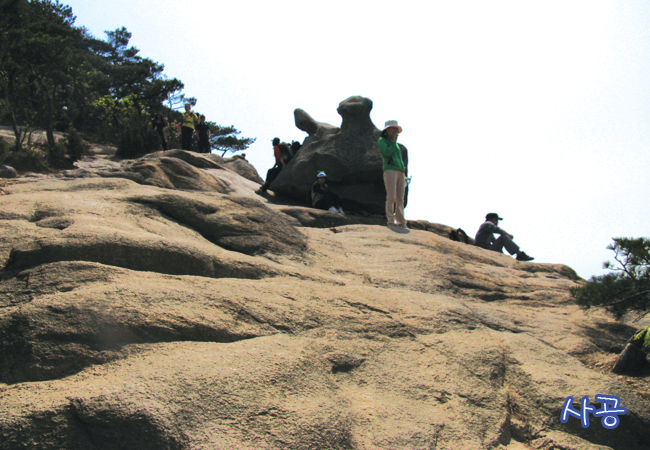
x,y
170,307
348,154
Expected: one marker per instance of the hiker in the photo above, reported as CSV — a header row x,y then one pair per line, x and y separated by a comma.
x,y
273,172
187,127
394,174
286,152
322,197
203,130
159,124
295,147
485,238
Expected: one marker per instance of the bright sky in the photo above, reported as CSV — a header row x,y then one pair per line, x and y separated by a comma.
x,y
536,110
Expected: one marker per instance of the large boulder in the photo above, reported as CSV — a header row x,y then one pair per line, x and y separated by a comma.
x,y
175,169
142,228
239,164
348,154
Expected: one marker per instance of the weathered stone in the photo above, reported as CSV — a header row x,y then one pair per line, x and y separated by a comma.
x,y
135,316
237,163
174,173
315,130
172,169
349,155
240,165
140,228
7,172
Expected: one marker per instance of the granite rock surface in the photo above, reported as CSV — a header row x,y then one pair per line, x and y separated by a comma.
x,y
169,306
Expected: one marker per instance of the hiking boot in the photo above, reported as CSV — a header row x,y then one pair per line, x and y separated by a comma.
x,y
522,256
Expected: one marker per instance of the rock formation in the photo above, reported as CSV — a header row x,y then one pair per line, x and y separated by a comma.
x,y
156,309
349,155
7,172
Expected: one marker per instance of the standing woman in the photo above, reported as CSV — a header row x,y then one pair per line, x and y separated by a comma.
x,y
394,173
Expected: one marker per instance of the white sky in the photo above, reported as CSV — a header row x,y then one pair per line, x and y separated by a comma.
x,y
537,110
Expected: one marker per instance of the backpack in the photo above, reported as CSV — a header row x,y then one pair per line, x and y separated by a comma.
x,y
286,151
459,235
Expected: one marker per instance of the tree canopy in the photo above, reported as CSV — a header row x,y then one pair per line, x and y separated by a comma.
x,y
626,289
56,76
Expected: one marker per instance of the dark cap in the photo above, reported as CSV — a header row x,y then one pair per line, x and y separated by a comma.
x,y
276,141
491,216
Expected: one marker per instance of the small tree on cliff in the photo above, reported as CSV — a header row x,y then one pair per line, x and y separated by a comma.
x,y
627,288
624,290
226,139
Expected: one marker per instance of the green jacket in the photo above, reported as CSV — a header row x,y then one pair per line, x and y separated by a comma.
x,y
391,154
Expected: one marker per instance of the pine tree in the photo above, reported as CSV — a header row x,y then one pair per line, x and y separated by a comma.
x,y
625,290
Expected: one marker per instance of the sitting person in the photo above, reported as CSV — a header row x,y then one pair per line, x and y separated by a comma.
x,y
322,197
273,172
485,238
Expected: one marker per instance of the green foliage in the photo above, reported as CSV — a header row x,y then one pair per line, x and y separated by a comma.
x,y
39,156
173,134
55,76
226,139
56,155
33,157
627,287
36,52
137,138
643,338
76,147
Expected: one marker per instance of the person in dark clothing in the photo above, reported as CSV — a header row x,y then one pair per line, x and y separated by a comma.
x,y
485,238
159,124
322,197
203,131
273,172
295,147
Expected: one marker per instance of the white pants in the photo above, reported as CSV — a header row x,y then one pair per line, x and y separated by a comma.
x,y
395,187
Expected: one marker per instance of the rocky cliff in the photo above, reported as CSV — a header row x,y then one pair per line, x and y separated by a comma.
x,y
161,304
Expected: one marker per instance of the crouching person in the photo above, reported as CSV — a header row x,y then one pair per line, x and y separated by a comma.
x,y
485,238
322,197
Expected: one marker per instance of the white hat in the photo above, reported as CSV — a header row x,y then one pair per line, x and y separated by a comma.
x,y
392,123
